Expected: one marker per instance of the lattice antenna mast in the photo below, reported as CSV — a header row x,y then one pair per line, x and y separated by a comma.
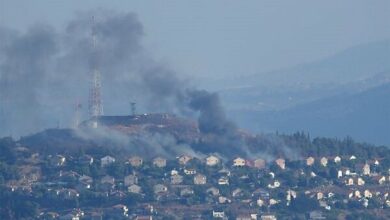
x,y
95,96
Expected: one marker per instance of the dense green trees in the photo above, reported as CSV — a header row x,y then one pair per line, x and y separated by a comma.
x,y
17,205
304,204
7,150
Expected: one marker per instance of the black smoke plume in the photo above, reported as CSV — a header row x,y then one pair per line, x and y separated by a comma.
x,y
44,71
212,118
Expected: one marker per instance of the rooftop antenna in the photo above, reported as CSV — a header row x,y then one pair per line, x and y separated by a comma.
x,y
133,108
95,99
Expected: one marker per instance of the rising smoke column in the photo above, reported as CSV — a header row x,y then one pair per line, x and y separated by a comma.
x,y
24,63
44,71
221,134
212,117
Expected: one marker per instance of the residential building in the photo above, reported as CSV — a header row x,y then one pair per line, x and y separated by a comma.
x,y
381,180
130,180
366,169
239,162
200,179
223,181
134,189
144,217
212,191
349,182
259,163
183,160
246,217
360,181
136,161
190,171
281,163
57,160
108,180
174,172
339,173
218,214
107,160
86,179
260,202
262,193
291,194
310,161
223,200
212,160
236,192
160,188
268,217
159,162
320,195
176,179
367,193
324,161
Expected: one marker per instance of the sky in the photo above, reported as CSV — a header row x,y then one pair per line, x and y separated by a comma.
x,y
218,39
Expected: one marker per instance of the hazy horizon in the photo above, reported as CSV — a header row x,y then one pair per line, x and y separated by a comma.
x,y
260,56
241,38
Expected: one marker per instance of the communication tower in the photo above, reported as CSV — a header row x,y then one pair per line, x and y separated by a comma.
x,y
95,95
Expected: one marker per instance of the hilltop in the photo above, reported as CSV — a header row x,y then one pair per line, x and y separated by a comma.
x,y
151,135
180,128
134,133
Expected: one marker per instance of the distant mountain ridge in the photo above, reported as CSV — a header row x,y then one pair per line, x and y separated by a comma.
x,y
365,116
350,71
354,63
343,94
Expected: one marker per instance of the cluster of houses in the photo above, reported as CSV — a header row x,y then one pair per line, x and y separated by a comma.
x,y
215,185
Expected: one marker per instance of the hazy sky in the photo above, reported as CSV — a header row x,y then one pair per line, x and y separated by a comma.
x,y
225,38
